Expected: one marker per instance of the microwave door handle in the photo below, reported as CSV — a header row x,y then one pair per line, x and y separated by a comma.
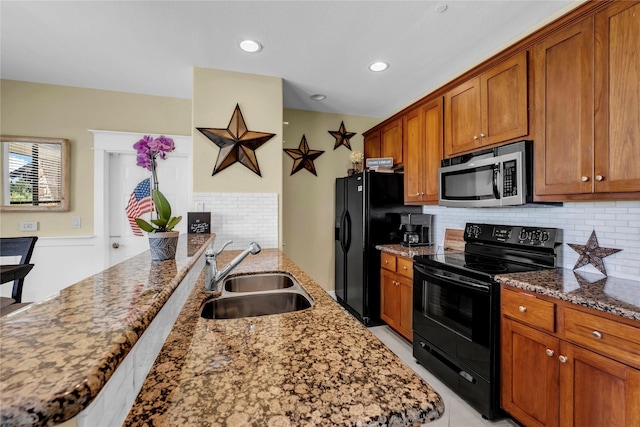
x,y
496,176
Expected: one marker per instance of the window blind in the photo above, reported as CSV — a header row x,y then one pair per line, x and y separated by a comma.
x,y
35,173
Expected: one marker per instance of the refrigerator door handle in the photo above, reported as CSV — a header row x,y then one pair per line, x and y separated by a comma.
x,y
342,225
347,231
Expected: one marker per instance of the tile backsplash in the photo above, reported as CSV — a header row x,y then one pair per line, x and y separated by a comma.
x,y
241,217
617,225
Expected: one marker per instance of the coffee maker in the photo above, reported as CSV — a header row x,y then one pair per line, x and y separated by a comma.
x,y
417,229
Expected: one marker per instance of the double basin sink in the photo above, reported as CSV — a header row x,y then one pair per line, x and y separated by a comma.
x,y
257,295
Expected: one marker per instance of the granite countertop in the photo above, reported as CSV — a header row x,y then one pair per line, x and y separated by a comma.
x,y
407,252
609,294
318,366
57,354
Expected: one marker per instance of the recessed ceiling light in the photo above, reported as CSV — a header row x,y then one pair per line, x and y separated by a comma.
x,y
378,66
318,97
250,46
441,8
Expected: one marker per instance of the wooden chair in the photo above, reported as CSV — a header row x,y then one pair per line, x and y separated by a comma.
x,y
16,247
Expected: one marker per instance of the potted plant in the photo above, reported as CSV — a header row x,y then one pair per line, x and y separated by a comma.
x,y
163,240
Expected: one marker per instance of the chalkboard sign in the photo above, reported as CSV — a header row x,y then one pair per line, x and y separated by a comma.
x,y
199,222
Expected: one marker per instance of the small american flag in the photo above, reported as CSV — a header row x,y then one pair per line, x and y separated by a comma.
x,y
140,203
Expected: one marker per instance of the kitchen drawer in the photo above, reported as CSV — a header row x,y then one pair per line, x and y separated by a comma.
x,y
607,337
388,261
404,267
529,309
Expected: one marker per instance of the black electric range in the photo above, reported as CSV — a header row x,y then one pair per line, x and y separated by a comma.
x,y
456,306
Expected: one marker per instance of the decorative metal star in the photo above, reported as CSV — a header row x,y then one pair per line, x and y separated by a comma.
x,y
237,144
303,157
592,254
342,136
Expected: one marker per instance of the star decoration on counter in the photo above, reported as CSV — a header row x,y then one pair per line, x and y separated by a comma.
x,y
592,254
342,136
237,143
303,157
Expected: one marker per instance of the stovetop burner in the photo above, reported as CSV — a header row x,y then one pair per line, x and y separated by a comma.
x,y
488,268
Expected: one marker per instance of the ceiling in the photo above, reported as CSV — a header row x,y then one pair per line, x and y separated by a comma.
x,y
151,47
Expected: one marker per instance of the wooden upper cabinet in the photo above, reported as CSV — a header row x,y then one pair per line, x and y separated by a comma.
x,y
563,65
488,109
463,120
423,146
587,107
372,145
503,91
391,141
385,141
617,98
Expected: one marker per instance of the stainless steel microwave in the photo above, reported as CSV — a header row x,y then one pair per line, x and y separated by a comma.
x,y
495,177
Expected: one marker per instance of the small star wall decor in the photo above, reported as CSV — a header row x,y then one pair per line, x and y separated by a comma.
x,y
342,136
592,253
237,143
303,157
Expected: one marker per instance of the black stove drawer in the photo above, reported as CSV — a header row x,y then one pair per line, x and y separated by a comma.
x,y
479,392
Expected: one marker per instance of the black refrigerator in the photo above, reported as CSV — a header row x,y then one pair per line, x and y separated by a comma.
x,y
368,208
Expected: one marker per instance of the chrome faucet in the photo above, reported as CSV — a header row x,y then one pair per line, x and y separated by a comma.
x,y
213,277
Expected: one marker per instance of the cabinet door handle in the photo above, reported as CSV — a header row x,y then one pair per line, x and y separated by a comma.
x,y
550,352
482,135
596,334
386,261
522,309
417,194
585,179
599,178
563,359
475,137
404,266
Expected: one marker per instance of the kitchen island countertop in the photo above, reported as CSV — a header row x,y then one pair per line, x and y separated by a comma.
x,y
317,366
58,354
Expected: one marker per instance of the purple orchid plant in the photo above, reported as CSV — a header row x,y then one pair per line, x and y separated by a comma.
x,y
149,149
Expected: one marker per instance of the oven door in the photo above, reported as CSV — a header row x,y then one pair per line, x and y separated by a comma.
x,y
454,314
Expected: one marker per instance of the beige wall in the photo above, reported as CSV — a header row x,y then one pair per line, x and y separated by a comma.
x,y
308,237
306,202
215,95
33,109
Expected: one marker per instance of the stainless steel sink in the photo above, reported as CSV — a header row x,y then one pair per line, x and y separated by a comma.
x,y
258,282
260,304
252,295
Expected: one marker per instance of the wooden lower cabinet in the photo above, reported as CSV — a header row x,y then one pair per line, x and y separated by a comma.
x,y
396,304
548,381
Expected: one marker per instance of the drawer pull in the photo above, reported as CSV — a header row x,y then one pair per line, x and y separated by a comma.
x,y
550,352
405,267
596,334
386,261
522,309
563,359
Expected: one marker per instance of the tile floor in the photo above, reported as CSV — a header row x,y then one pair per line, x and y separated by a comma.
x,y
457,412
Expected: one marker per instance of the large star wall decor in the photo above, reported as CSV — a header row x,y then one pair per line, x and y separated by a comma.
x,y
237,143
303,157
592,254
342,136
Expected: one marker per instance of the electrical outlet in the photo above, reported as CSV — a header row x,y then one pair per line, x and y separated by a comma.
x,y
29,226
75,222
